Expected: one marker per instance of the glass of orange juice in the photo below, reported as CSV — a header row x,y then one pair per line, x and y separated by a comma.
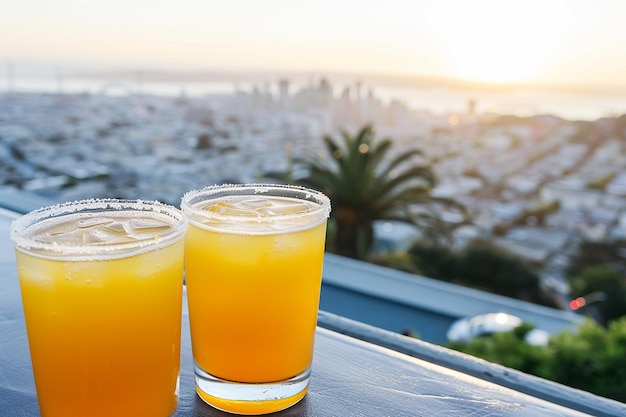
x,y
253,268
101,284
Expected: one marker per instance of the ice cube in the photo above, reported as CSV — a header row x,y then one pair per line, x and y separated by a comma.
x,y
91,237
59,236
101,236
140,229
285,209
92,221
117,227
230,209
146,224
254,204
59,229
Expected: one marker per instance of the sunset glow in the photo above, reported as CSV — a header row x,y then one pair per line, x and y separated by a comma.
x,y
556,41
496,41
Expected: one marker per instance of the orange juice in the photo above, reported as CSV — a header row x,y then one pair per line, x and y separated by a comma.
x,y
253,302
103,323
253,285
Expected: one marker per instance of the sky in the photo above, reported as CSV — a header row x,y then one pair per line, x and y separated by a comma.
x,y
490,41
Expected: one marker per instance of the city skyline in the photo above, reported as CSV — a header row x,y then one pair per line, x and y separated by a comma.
x,y
578,42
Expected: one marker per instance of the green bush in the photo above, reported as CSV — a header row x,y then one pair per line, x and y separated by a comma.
x,y
592,253
485,265
481,265
604,279
507,349
435,262
592,359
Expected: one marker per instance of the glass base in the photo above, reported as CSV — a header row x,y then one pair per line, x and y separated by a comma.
x,y
251,398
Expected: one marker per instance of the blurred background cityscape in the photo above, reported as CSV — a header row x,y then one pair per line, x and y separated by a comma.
x,y
519,109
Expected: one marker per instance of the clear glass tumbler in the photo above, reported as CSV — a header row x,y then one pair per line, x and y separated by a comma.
x,y
101,284
253,261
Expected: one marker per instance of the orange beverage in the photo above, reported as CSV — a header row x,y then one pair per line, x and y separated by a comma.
x,y
101,286
253,262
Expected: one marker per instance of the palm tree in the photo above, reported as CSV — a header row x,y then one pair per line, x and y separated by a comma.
x,y
366,185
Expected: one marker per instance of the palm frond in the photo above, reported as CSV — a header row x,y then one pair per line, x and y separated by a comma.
x,y
362,179
400,159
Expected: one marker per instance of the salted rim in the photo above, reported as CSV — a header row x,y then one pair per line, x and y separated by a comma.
x,y
192,199
22,228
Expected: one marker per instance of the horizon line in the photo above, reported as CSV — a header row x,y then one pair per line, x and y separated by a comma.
x,y
390,79
163,73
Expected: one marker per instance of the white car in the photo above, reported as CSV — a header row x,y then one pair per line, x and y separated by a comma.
x,y
466,329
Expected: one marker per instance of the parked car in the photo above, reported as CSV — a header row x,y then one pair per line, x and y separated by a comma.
x,y
469,328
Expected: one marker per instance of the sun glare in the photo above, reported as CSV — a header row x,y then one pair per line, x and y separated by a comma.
x,y
498,42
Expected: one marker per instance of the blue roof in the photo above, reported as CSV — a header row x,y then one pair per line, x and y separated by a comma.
x,y
365,292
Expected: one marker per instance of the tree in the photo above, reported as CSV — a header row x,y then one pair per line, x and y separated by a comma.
x,y
481,265
436,262
592,253
590,358
365,185
600,267
495,269
601,279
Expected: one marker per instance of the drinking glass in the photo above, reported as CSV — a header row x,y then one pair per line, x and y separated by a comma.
x,y
101,284
253,262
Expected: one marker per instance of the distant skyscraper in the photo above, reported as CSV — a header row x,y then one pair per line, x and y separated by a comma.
x,y
325,87
326,92
345,94
283,92
471,107
358,91
343,110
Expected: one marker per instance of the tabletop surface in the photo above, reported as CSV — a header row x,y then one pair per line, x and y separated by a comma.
x,y
350,377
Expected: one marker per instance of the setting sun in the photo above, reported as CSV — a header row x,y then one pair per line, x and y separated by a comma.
x,y
515,46
556,42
